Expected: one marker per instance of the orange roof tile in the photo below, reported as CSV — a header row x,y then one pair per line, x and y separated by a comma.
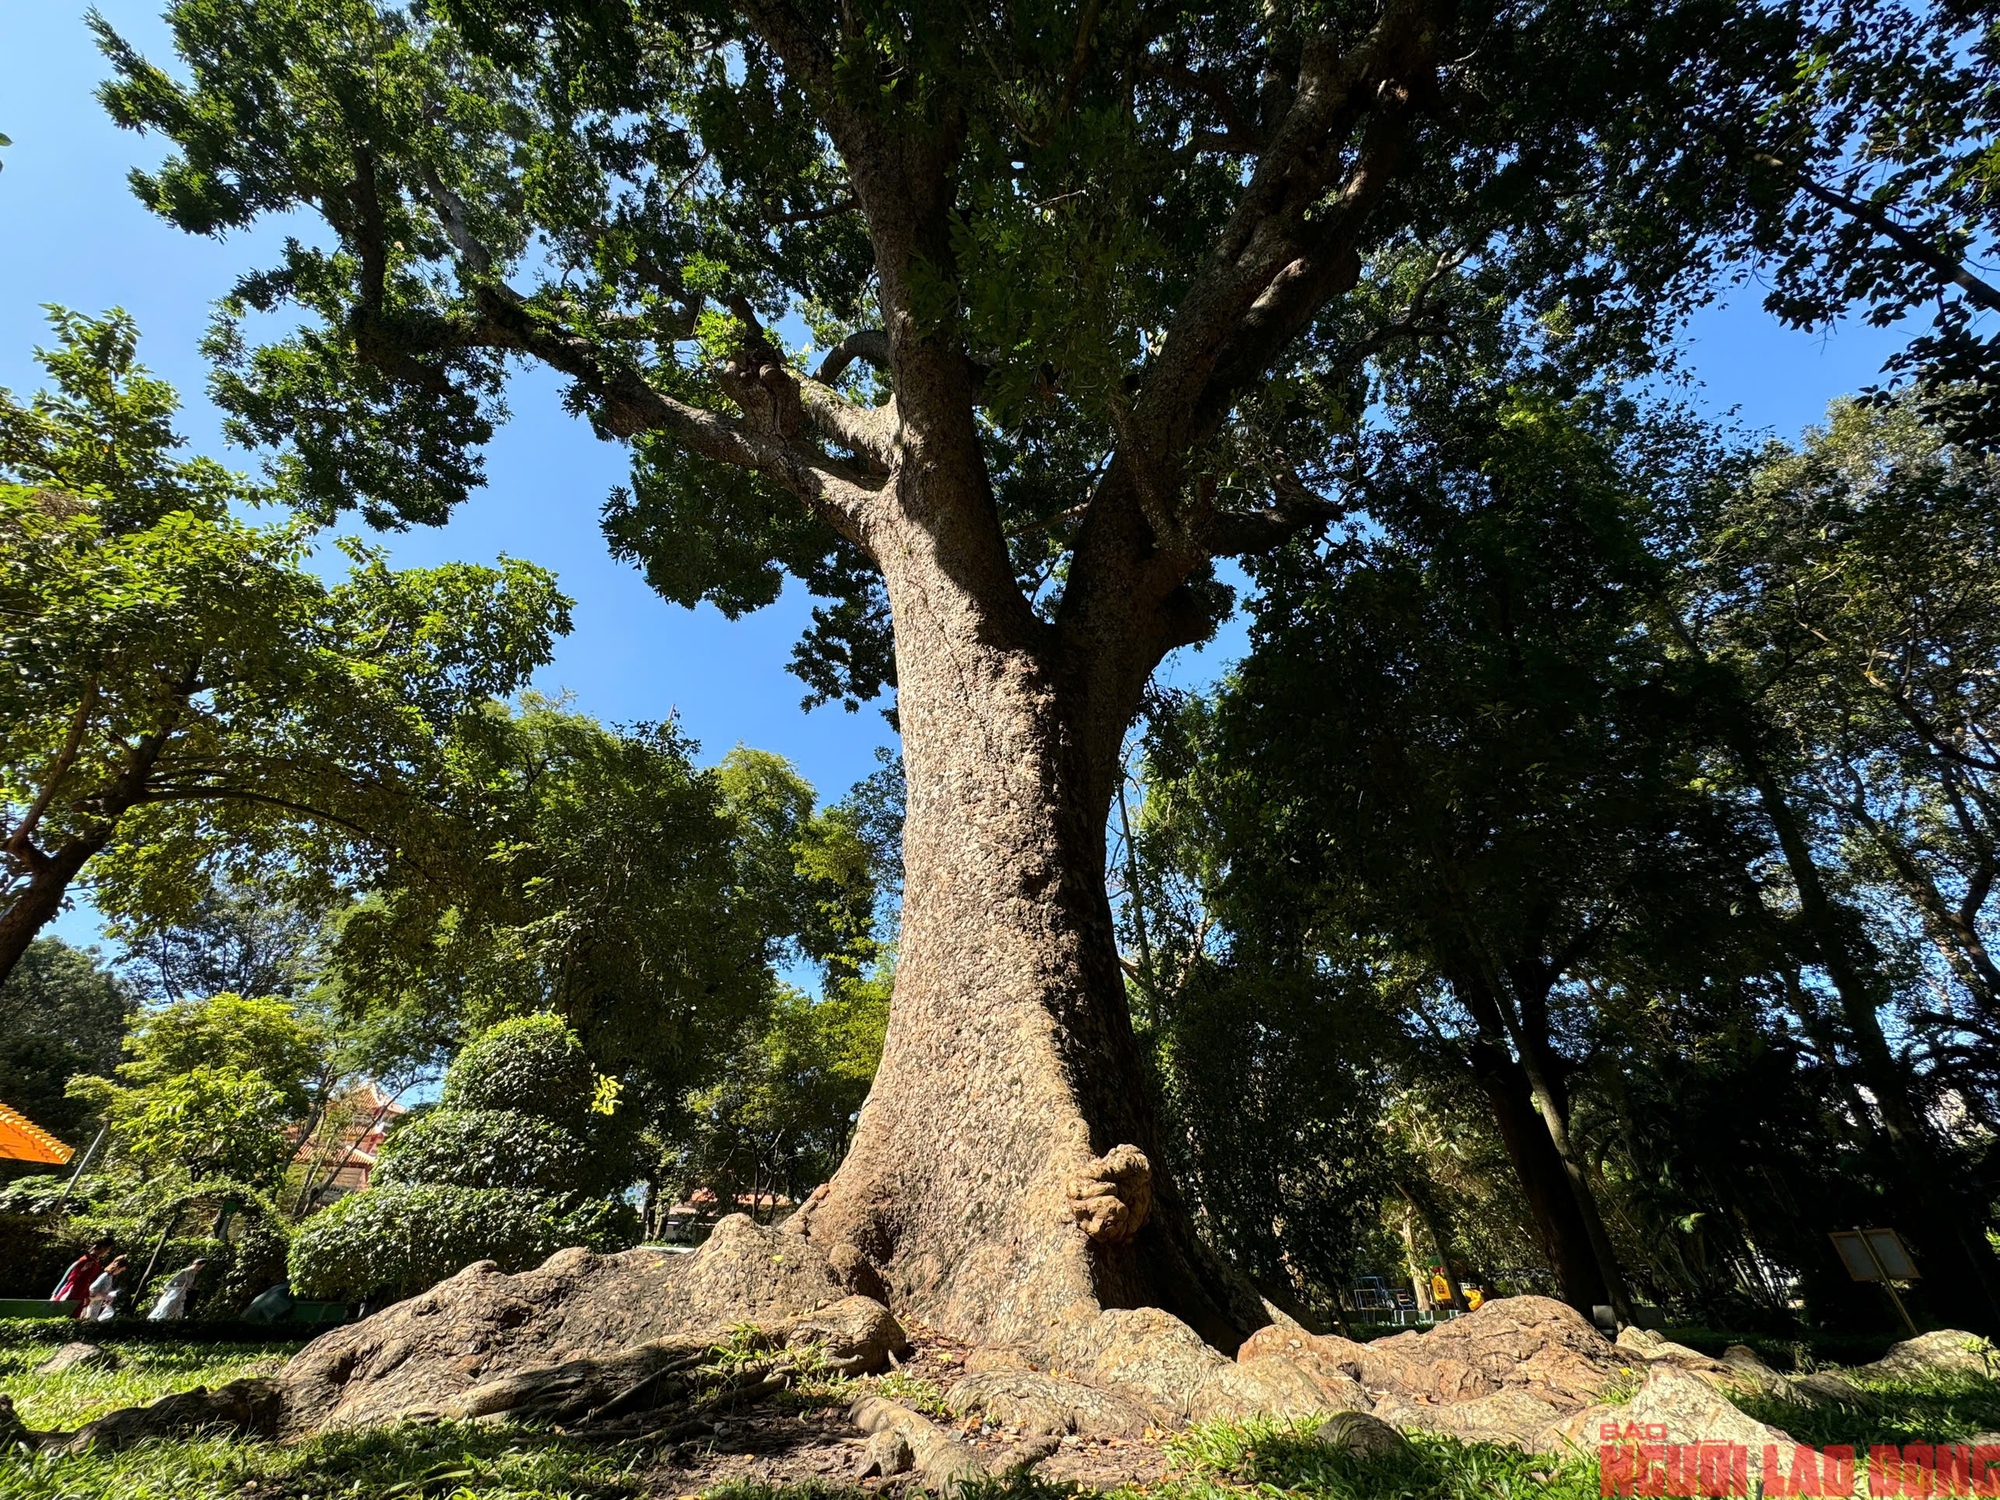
x,y
21,1139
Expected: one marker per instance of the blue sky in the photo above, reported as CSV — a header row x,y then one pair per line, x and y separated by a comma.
x,y
71,233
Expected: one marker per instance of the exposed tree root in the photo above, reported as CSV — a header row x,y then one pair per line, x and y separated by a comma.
x,y
945,1464
656,1349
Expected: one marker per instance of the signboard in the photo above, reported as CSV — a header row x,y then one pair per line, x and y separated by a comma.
x,y
1874,1255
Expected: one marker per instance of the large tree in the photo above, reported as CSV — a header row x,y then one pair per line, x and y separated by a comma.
x,y
183,690
1096,287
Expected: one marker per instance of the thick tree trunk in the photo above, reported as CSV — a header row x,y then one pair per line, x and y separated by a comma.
x,y
1551,1101
1010,1061
1558,1223
34,908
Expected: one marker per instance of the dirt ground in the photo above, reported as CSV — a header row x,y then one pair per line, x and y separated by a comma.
x,y
805,1435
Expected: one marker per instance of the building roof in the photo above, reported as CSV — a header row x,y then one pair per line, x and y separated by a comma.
x,y
21,1139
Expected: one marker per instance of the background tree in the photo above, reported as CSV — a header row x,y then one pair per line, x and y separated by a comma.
x,y
183,688
208,1088
61,1014
619,886
1480,723
1113,276
1838,603
776,1119
240,936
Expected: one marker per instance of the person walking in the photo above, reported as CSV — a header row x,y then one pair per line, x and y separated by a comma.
x,y
86,1268
104,1292
173,1298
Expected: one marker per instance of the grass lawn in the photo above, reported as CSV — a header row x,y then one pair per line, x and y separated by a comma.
x,y
146,1372
460,1462
1930,1408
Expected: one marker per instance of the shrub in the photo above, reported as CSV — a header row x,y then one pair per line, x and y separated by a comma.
x,y
533,1064
397,1239
485,1148
513,1165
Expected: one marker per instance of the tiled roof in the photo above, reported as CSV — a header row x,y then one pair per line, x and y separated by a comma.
x,y
21,1139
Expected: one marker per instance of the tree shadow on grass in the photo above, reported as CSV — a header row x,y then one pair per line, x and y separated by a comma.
x,y
1934,1407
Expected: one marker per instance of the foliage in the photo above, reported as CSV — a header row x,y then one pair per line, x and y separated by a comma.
x,y
608,892
138,1214
500,1148
521,1158
1055,223
1273,1094
241,937
1876,160
61,1014
185,691
532,1065
209,1086
395,1240
809,874
778,1116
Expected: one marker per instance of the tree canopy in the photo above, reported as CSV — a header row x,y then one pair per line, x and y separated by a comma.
x,y
183,686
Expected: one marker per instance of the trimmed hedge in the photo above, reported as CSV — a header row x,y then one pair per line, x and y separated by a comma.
x,y
398,1239
531,1064
511,1167
486,1148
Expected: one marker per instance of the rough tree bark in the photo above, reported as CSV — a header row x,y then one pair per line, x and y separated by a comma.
x,y
1010,1063
1544,1184
998,1183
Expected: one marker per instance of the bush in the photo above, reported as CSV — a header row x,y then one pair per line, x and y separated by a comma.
x,y
397,1239
487,1148
513,1165
532,1064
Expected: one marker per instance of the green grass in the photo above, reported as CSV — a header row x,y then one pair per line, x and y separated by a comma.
x,y
915,1392
1932,1407
146,1372
445,1461
1277,1459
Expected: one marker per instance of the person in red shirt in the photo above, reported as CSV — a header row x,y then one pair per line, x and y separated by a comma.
x,y
86,1268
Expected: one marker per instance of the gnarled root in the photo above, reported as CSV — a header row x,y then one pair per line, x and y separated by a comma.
x,y
245,1406
945,1464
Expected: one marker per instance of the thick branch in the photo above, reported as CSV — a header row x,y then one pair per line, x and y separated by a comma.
x,y
870,345
20,842
1295,510
867,430
1948,267
628,405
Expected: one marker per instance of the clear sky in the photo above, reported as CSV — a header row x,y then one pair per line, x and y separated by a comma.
x,y
71,233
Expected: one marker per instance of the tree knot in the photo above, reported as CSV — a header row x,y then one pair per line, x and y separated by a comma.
x,y
1112,1194
757,380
